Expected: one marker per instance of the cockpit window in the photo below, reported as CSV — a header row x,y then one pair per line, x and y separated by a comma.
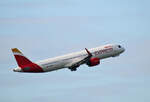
x,y
119,46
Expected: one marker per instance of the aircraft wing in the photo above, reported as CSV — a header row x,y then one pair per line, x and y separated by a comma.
x,y
79,61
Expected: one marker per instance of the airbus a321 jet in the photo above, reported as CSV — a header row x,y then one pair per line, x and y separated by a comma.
x,y
71,61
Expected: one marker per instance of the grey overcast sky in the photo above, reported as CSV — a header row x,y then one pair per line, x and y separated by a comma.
x,y
46,28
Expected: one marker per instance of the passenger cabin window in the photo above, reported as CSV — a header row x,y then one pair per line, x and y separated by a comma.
x,y
119,46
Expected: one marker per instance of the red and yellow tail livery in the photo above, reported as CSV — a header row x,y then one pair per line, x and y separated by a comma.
x,y
24,63
20,58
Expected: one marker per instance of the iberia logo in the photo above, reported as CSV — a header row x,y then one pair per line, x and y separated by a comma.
x,y
108,46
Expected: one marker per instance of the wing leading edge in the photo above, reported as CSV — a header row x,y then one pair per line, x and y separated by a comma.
x,y
73,66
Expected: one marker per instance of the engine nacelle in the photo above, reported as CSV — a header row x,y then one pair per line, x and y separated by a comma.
x,y
93,62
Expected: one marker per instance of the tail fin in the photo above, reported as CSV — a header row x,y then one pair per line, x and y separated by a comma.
x,y
20,58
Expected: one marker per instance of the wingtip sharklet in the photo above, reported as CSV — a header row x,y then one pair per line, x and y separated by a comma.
x,y
89,53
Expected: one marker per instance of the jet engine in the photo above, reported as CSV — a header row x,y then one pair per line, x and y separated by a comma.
x,y
93,62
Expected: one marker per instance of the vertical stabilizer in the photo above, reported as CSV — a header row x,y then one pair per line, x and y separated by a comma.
x,y
20,58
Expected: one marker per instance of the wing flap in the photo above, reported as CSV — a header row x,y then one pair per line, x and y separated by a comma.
x,y
80,61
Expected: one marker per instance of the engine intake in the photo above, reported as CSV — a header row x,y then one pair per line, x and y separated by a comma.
x,y
93,62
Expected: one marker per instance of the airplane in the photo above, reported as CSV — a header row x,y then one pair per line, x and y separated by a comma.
x,y
71,61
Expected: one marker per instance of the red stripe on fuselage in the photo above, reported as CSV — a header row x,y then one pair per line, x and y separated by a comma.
x,y
34,68
26,65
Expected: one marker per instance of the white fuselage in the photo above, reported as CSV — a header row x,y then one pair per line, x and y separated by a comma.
x,y
110,50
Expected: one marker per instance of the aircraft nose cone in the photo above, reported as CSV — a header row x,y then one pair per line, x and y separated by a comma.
x,y
123,49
